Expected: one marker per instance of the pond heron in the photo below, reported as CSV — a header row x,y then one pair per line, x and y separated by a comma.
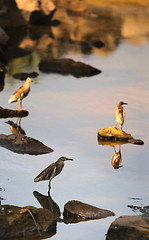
x,y
120,114
21,93
51,171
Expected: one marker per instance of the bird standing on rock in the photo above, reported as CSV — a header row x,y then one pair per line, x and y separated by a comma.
x,y
51,171
21,93
120,114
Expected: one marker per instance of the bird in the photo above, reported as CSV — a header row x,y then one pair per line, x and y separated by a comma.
x,y
52,170
21,93
120,114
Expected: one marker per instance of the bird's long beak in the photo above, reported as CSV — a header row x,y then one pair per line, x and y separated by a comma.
x,y
69,159
125,103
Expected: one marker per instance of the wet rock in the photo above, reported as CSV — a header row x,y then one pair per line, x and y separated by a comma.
x,y
130,228
67,66
24,75
27,222
115,134
76,211
6,113
22,144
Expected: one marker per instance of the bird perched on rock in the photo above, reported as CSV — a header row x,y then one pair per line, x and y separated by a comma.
x,y
51,171
21,93
120,114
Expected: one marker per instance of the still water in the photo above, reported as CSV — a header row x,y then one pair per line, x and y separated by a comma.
x,y
65,113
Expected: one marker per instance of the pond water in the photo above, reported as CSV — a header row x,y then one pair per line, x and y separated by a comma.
x,y
65,113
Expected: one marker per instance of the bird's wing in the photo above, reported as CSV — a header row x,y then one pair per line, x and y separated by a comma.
x,y
45,174
121,114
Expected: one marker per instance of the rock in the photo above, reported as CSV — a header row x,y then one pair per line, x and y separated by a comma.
x,y
31,222
6,113
115,134
76,211
67,66
25,75
130,228
22,144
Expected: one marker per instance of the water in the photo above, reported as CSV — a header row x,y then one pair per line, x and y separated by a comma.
x,y
65,113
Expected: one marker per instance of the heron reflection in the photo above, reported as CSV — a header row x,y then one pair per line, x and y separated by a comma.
x,y
48,203
16,127
52,171
117,158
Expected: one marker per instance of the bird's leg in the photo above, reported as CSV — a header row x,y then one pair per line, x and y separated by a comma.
x,y
116,125
18,105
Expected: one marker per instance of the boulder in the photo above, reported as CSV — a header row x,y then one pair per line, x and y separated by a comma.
x,y
76,211
27,222
116,134
130,228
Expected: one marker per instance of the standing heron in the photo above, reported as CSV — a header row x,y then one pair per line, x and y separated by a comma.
x,y
120,114
52,171
21,93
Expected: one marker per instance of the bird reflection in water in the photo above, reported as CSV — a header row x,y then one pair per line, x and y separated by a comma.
x,y
48,203
117,158
52,171
21,93
16,127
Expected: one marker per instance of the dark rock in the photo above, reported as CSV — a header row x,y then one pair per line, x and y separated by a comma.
x,y
9,113
27,222
76,211
115,134
25,75
22,144
67,66
130,228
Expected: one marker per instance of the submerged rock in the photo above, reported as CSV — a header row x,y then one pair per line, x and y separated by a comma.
x,y
130,228
67,66
76,211
27,222
115,134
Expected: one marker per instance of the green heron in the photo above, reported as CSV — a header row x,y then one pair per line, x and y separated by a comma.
x,y
120,114
52,171
21,93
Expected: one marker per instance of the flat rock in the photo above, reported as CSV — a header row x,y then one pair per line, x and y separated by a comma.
x,y
116,134
76,211
22,144
130,228
67,66
27,222
9,113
